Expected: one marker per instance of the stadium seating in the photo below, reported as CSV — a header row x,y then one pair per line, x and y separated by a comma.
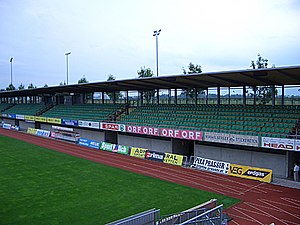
x,y
91,112
25,109
250,120
4,106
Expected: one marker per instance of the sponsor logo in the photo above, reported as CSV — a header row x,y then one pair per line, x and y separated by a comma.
x,y
279,146
154,156
256,173
138,152
173,159
236,170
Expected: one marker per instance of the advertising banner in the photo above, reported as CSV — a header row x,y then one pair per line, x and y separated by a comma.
x,y
54,120
4,115
138,152
173,159
107,146
142,130
210,165
89,143
89,124
12,116
62,128
69,122
6,126
155,156
235,139
113,127
253,173
43,133
40,119
20,117
278,143
297,145
30,118
121,149
182,134
31,130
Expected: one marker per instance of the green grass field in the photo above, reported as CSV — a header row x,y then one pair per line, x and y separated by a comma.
x,y
41,186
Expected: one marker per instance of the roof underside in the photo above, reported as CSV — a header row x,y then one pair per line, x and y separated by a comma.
x,y
258,77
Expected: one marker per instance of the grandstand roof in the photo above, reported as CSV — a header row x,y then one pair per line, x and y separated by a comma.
x,y
250,77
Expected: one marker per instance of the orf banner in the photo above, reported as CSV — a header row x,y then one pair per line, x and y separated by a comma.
x,y
138,152
142,130
181,134
173,159
155,156
210,165
252,173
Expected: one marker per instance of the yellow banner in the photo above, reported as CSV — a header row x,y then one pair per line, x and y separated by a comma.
x,y
31,130
54,120
138,152
248,172
173,159
30,118
40,119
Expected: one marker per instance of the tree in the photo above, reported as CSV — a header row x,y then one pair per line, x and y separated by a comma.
x,y
46,85
260,63
82,80
21,87
30,86
263,94
1,90
117,94
192,69
62,83
146,72
10,87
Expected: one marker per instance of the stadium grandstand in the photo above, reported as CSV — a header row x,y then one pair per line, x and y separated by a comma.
x,y
212,115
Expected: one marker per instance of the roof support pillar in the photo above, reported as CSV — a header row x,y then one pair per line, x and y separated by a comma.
x,y
244,96
218,94
282,96
273,95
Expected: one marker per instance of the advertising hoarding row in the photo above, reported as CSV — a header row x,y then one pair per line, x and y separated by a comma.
x,y
226,168
280,143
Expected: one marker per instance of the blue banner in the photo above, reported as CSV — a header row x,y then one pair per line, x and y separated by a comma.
x,y
12,116
89,143
69,122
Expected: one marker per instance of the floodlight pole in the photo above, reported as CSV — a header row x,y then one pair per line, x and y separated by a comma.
x,y
155,34
11,62
67,56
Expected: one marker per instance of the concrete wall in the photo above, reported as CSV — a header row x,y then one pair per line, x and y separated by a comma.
x,y
96,135
276,162
46,127
149,143
24,125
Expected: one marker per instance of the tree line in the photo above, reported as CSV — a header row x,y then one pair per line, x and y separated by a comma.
x,y
262,94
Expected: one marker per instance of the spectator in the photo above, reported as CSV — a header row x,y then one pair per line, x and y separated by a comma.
x,y
296,172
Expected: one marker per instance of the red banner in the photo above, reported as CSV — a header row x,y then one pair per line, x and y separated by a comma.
x,y
142,130
182,134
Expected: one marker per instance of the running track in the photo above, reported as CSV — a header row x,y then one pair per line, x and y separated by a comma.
x,y
261,203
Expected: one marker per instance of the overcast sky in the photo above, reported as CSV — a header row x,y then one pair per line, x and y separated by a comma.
x,y
115,37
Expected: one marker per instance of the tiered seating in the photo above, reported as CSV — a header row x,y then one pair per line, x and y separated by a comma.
x,y
25,109
250,120
90,112
4,106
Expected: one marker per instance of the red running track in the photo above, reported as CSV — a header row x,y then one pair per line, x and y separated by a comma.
x,y
261,203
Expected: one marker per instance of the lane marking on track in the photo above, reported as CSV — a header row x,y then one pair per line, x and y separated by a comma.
x,y
253,187
280,209
266,213
248,217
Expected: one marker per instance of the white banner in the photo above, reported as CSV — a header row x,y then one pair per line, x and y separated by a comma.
x,y
63,128
235,139
210,165
278,143
89,124
20,117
